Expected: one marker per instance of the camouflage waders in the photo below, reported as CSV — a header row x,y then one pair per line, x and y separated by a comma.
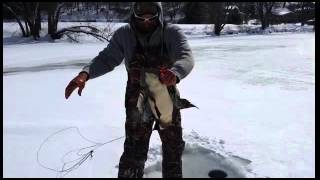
x,y
139,124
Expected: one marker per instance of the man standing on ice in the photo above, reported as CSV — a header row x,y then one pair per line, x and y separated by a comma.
x,y
157,57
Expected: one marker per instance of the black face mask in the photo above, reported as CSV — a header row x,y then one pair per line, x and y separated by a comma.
x,y
146,27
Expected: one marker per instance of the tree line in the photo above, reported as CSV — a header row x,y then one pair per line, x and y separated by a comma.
x,y
221,13
29,15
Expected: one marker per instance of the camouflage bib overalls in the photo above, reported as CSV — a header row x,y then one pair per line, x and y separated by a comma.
x,y
140,121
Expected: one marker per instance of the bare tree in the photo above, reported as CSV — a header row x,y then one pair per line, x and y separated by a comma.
x,y
10,8
264,12
303,10
217,14
97,7
53,10
31,17
172,9
30,13
89,30
247,9
195,12
28,16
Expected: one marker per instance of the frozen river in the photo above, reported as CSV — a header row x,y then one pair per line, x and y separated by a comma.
x,y
255,93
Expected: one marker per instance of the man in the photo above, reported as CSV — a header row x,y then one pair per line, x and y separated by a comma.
x,y
157,56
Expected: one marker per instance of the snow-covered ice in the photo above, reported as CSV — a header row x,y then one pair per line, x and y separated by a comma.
x,y
255,93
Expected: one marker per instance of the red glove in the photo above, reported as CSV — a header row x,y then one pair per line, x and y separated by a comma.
x,y
78,81
167,77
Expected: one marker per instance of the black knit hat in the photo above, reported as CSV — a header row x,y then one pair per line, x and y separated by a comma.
x,y
145,8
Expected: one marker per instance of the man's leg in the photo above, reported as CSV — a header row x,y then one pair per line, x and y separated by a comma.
x,y
172,148
136,147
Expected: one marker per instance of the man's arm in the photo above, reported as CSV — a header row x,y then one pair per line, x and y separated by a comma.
x,y
108,58
182,53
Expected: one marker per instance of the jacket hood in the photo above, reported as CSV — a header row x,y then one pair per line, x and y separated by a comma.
x,y
156,37
160,11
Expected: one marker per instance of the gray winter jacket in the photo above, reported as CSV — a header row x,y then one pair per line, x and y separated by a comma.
x,y
123,43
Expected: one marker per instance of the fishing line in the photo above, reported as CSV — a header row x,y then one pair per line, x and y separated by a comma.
x,y
82,153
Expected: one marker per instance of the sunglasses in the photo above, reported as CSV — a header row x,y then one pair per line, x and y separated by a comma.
x,y
150,19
